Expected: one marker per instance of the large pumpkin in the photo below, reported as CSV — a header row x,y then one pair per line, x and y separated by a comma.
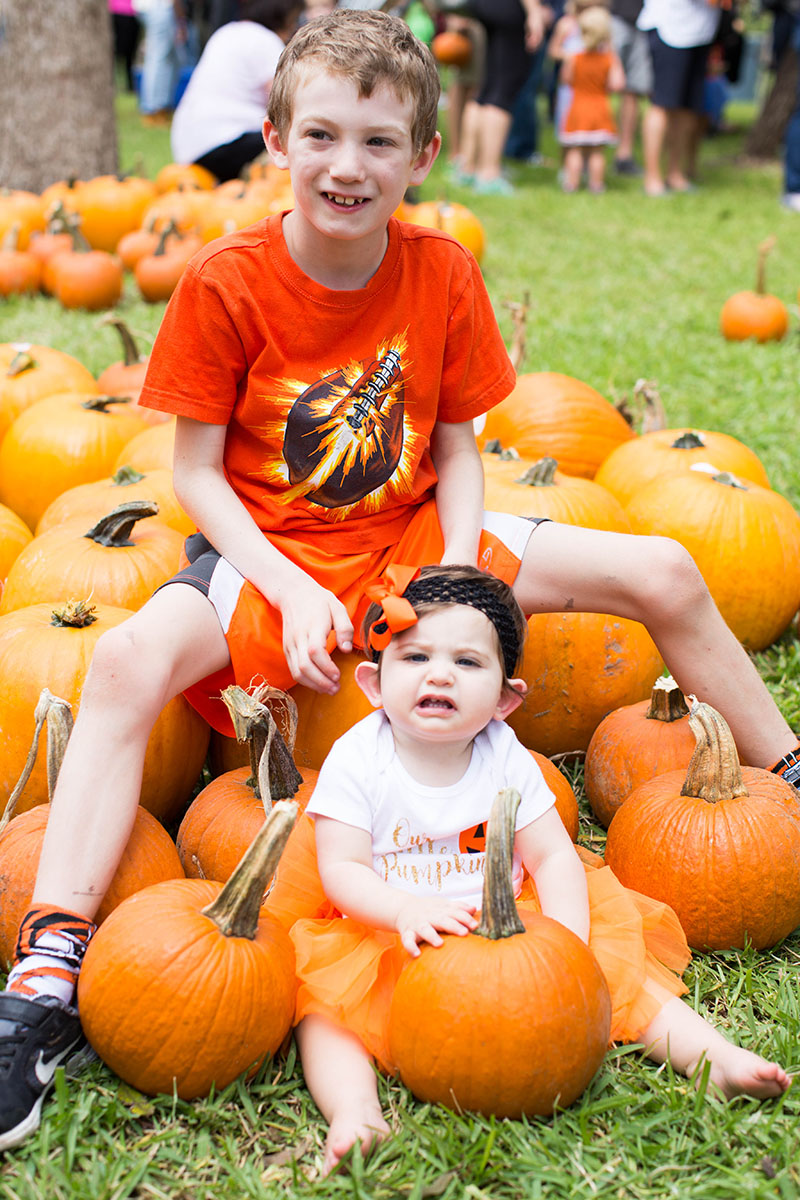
x,y
579,667
720,843
14,537
541,490
560,417
321,719
745,540
634,464
42,648
91,501
635,743
511,1020
151,450
188,984
120,560
29,372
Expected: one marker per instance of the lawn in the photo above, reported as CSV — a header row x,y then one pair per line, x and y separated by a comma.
x,y
621,287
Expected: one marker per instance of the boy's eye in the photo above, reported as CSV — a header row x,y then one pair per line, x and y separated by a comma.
x,y
380,141
318,134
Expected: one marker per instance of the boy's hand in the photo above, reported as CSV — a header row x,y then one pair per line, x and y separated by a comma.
x,y
309,616
423,918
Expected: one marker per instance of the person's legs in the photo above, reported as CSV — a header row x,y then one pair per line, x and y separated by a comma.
x,y
628,119
494,126
655,581
341,1078
792,160
160,64
596,169
687,1040
654,132
573,168
682,148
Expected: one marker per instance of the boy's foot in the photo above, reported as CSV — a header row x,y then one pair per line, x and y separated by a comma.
x,y
35,1038
346,1128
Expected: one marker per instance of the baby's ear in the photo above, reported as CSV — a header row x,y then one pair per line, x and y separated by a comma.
x,y
367,677
511,697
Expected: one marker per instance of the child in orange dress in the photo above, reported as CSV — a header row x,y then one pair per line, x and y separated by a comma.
x,y
589,124
400,805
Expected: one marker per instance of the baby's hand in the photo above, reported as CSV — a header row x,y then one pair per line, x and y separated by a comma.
x,y
423,918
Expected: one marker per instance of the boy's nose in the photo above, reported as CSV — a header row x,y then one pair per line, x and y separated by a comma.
x,y
347,164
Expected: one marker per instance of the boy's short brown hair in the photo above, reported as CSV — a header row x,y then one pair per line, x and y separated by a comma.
x,y
370,48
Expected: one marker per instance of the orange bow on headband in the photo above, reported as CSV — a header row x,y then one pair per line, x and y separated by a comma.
x,y
398,614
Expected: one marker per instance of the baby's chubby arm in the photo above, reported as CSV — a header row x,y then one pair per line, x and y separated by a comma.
x,y
308,610
551,860
459,490
344,854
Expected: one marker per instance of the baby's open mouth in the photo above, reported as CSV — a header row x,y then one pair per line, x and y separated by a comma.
x,y
436,702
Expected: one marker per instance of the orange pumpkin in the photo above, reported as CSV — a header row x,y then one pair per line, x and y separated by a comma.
x,y
91,501
25,209
560,786
83,277
151,450
59,442
120,560
126,377
187,984
452,48
519,1010
40,647
719,843
135,244
322,719
109,207
20,271
755,314
540,490
456,219
14,537
579,667
635,743
174,175
745,540
29,372
558,416
634,464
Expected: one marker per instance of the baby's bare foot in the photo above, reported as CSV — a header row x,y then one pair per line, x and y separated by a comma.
x,y
365,1125
738,1072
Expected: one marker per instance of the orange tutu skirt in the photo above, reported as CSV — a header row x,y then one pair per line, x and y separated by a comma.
x,y
347,971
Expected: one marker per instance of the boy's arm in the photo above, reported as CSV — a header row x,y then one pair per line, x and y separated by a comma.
x,y
459,491
344,855
309,611
551,861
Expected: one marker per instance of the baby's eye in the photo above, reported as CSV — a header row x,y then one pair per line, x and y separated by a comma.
x,y
416,657
466,661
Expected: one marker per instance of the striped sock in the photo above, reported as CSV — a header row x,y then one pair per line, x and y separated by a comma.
x,y
50,948
788,767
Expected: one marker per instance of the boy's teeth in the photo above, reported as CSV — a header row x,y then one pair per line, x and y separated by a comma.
x,y
345,201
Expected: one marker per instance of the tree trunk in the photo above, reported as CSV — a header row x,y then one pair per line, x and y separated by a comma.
x,y
766,135
56,92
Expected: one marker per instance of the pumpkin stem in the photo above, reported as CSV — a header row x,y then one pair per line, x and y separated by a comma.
x,y
499,916
100,404
23,360
644,407
761,270
688,441
58,219
130,350
541,474
169,230
519,319
235,910
667,701
714,773
58,715
729,480
74,614
114,529
273,773
125,476
11,240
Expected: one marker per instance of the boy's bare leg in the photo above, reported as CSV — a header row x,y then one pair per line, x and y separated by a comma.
x,y
681,1035
654,580
137,667
341,1078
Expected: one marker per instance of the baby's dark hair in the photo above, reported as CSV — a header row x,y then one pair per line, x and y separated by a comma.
x,y
369,48
438,586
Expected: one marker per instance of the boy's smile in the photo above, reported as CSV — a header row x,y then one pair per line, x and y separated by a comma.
x,y
351,159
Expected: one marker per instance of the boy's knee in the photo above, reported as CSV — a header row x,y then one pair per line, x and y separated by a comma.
x,y
124,668
671,586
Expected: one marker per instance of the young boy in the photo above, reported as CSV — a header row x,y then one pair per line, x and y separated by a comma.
x,y
325,368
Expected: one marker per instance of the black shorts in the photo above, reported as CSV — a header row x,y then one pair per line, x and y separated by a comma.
x,y
679,74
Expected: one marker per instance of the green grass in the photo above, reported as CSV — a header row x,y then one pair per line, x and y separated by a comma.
x,y
621,287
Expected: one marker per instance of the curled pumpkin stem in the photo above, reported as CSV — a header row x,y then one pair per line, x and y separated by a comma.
x,y
714,772
58,716
499,916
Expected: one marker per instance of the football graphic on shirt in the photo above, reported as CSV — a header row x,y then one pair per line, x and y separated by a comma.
x,y
344,437
473,841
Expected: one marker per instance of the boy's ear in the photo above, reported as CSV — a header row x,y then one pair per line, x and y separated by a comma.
x,y
511,698
273,143
425,160
366,676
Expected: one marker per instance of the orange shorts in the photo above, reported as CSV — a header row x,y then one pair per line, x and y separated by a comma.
x,y
253,628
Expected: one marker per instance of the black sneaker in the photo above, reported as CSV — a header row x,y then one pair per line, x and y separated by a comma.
x,y
36,1036
627,166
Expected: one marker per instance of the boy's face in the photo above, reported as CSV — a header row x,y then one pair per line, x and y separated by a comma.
x,y
441,680
351,158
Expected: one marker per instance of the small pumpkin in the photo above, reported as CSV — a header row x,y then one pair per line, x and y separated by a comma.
x,y
157,274
120,560
552,414
519,1011
126,377
634,464
151,450
635,743
91,501
29,372
720,843
757,314
174,175
452,48
14,537
20,271
187,984
83,277
745,540
109,206
456,219
541,490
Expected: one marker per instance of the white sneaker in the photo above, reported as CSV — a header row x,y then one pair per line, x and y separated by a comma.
x,y
791,200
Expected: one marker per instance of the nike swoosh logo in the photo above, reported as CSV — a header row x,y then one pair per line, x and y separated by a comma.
x,y
45,1071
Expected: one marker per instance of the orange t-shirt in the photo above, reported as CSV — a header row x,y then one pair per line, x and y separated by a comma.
x,y
330,397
